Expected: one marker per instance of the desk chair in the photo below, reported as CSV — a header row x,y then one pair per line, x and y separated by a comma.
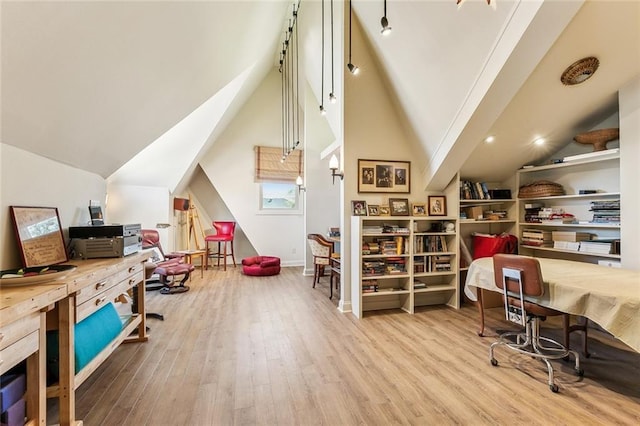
x,y
223,236
321,249
520,279
165,266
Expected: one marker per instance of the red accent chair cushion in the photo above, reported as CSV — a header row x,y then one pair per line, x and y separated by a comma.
x,y
261,266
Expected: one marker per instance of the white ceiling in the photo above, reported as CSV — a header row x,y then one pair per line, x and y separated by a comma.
x,y
91,84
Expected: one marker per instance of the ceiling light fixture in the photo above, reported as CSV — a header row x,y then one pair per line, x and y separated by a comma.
x,y
333,166
459,3
580,71
539,141
386,29
489,139
353,69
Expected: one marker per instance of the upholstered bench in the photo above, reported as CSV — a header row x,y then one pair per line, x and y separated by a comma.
x,y
261,266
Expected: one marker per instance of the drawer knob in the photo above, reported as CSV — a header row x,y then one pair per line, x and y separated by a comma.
x,y
100,300
132,268
100,285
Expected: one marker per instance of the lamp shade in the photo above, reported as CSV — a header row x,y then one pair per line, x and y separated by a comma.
x,y
333,162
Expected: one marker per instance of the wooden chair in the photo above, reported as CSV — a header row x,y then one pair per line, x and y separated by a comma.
x,y
520,279
321,249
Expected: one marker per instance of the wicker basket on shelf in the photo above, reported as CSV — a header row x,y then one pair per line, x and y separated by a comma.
x,y
541,188
598,138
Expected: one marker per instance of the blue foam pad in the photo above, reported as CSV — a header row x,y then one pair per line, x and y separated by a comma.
x,y
92,335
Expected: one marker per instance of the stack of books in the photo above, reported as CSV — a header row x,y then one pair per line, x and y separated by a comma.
x,y
606,211
536,238
417,285
440,263
418,265
474,190
569,240
596,247
532,212
371,230
389,247
370,248
370,286
396,265
373,268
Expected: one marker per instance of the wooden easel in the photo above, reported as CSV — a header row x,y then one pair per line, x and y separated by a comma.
x,y
193,220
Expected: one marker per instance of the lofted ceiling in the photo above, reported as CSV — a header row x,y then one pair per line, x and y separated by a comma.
x,y
92,84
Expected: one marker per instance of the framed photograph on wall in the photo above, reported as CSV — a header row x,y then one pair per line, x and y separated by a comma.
x,y
373,210
399,206
384,176
437,205
419,209
358,208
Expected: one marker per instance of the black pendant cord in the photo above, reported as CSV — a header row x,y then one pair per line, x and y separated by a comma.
x,y
349,31
322,62
297,91
333,94
282,96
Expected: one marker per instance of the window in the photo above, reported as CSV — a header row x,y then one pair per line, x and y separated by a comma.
x,y
279,197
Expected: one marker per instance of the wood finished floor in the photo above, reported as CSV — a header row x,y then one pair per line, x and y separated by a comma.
x,y
274,351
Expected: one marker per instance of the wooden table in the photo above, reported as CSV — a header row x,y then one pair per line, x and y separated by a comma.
x,y
608,296
189,255
23,336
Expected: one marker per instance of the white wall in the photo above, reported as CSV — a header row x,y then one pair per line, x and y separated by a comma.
x,y
629,102
229,165
27,179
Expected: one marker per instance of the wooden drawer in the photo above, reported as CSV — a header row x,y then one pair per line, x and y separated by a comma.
x,y
12,354
88,307
16,330
90,291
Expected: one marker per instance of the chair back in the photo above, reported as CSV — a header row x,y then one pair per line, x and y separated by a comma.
x,y
224,229
150,238
530,274
321,248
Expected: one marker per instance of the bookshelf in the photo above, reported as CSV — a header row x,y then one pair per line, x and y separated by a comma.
x,y
403,263
593,213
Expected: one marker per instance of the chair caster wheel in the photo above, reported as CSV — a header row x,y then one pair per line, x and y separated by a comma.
x,y
494,362
580,372
554,388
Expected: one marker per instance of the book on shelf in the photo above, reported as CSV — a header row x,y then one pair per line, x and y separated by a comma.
x,y
597,247
570,236
567,245
417,285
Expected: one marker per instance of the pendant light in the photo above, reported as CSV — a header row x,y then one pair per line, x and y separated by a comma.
x,y
353,69
386,29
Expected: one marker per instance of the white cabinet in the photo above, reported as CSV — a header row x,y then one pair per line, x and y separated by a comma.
x,y
600,173
403,262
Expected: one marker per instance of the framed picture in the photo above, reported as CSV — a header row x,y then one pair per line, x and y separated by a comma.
x,y
384,176
358,208
399,206
39,235
419,209
373,210
384,211
437,205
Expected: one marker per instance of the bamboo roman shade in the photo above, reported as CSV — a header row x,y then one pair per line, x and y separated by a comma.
x,y
270,168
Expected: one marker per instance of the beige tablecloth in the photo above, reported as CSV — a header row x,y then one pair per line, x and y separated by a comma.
x,y
608,296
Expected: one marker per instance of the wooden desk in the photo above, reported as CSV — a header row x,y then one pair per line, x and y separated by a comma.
x,y
23,336
608,296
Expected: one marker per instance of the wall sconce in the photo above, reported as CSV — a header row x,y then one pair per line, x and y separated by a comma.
x,y
300,184
333,166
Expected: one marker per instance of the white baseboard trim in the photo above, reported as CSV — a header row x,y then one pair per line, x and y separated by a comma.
x,y
291,263
344,307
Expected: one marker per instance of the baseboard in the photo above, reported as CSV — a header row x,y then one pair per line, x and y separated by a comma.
x,y
344,307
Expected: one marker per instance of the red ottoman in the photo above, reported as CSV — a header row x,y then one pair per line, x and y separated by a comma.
x,y
261,266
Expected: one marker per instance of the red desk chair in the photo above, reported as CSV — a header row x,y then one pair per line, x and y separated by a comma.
x,y
223,236
169,265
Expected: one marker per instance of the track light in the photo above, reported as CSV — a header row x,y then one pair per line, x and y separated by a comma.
x,y
322,110
332,98
333,166
353,69
386,29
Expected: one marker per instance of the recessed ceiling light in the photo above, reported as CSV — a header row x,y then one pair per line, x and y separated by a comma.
x,y
489,139
539,141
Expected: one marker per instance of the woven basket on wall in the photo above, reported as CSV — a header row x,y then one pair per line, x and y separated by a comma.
x,y
541,188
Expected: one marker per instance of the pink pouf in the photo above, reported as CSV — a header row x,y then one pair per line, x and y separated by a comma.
x,y
261,266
